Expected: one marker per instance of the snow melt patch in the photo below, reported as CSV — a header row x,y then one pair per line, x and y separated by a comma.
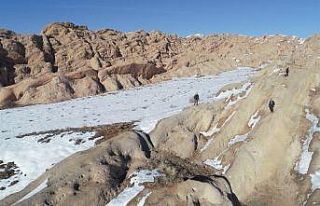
x,y
247,92
195,35
208,143
228,94
254,119
217,164
33,157
35,191
217,129
238,138
137,179
302,166
143,199
213,131
262,66
315,180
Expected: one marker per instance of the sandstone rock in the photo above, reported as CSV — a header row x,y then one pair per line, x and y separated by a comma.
x,y
192,191
16,51
183,128
58,89
111,84
145,70
7,97
95,62
127,81
22,71
86,86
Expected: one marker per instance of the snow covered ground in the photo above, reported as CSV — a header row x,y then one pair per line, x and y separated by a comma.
x,y
217,164
315,180
143,199
137,179
35,191
33,157
146,104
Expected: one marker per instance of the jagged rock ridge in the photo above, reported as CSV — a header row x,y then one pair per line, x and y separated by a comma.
x,y
68,61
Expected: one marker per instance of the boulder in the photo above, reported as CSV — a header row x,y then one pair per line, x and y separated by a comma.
x,y
7,97
58,89
86,87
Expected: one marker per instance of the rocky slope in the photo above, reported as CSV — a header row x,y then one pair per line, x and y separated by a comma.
x,y
268,158
67,61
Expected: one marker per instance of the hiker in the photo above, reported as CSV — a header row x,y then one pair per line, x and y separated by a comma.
x,y
271,105
196,99
287,72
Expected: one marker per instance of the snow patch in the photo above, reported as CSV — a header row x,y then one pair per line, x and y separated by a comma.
x,y
137,179
302,166
233,92
217,164
216,129
254,119
143,199
195,35
262,66
247,91
301,40
208,143
213,131
276,70
315,180
35,191
33,157
238,138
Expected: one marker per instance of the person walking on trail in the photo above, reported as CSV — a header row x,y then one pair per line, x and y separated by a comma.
x,y
196,99
287,72
271,105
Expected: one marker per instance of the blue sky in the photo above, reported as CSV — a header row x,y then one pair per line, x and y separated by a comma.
x,y
249,17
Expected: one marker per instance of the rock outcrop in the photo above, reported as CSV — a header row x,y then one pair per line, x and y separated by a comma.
x,y
125,60
96,176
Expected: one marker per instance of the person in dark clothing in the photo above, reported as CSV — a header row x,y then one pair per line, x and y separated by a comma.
x,y
287,72
196,99
271,105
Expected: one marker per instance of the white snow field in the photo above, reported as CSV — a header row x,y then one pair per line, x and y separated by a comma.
x,y
146,104
33,157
